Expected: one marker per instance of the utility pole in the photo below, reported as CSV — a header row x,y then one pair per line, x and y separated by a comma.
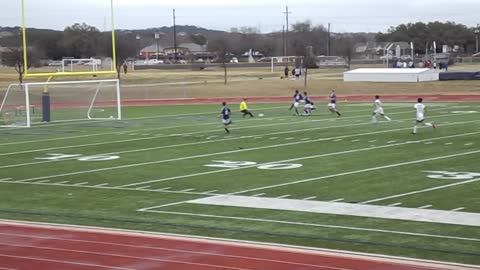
x,y
287,13
284,42
174,37
477,32
328,41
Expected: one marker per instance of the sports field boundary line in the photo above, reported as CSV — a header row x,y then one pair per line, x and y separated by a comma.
x,y
84,121
174,134
172,146
420,191
218,153
233,242
310,224
359,171
298,159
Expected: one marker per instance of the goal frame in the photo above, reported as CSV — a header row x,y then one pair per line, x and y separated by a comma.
x,y
28,74
277,58
94,62
26,89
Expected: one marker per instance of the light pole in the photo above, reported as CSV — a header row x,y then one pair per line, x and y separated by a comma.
x,y
157,38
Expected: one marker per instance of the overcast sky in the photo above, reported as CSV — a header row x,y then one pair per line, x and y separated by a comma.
x,y
266,15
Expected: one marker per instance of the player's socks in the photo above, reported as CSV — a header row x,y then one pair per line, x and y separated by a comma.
x,y
414,130
428,124
226,130
250,113
374,119
339,114
388,118
291,107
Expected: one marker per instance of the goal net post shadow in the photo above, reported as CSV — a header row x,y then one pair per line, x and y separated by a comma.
x,y
24,105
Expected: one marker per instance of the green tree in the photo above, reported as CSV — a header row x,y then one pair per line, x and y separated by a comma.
x,y
81,41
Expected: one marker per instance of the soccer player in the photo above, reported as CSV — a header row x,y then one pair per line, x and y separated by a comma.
x,y
298,98
309,106
332,105
420,109
379,110
225,115
244,108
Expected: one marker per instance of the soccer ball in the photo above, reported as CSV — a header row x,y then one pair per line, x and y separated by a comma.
x,y
261,115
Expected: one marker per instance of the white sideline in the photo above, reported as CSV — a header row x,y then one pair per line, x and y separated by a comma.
x,y
345,209
162,128
294,159
158,147
420,191
358,171
251,244
190,133
350,228
212,154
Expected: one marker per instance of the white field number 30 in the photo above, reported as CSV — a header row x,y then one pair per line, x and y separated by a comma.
x,y
241,164
452,175
78,157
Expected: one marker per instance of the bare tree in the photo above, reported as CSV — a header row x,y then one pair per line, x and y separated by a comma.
x,y
14,58
222,47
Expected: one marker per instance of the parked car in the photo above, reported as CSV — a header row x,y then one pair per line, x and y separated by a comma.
x,y
234,60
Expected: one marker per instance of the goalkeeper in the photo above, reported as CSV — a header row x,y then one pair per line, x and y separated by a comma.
x,y
244,108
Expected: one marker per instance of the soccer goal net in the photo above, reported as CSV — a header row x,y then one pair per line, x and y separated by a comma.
x,y
26,104
278,63
74,65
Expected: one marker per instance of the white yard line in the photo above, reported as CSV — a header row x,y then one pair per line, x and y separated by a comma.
x,y
425,206
458,209
395,204
421,214
258,195
165,136
288,160
160,128
338,200
312,225
5,179
423,190
365,170
284,196
101,185
81,184
63,182
310,198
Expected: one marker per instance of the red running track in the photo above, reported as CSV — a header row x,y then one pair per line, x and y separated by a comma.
x,y
34,247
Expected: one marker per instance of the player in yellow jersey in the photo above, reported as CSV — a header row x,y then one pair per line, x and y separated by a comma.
x,y
244,108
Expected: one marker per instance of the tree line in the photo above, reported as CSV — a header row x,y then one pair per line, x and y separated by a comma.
x,y
85,41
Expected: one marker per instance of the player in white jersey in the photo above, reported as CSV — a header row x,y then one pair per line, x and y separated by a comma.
x,y
420,110
379,110
332,105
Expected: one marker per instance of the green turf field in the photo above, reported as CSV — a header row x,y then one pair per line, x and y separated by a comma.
x,y
144,171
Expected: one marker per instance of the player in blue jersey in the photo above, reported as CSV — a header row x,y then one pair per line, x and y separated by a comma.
x,y
298,98
309,106
225,115
332,105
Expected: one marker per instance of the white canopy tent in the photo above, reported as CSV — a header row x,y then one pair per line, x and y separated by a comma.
x,y
391,75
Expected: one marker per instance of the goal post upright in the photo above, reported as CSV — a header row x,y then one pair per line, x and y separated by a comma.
x,y
25,97
29,74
